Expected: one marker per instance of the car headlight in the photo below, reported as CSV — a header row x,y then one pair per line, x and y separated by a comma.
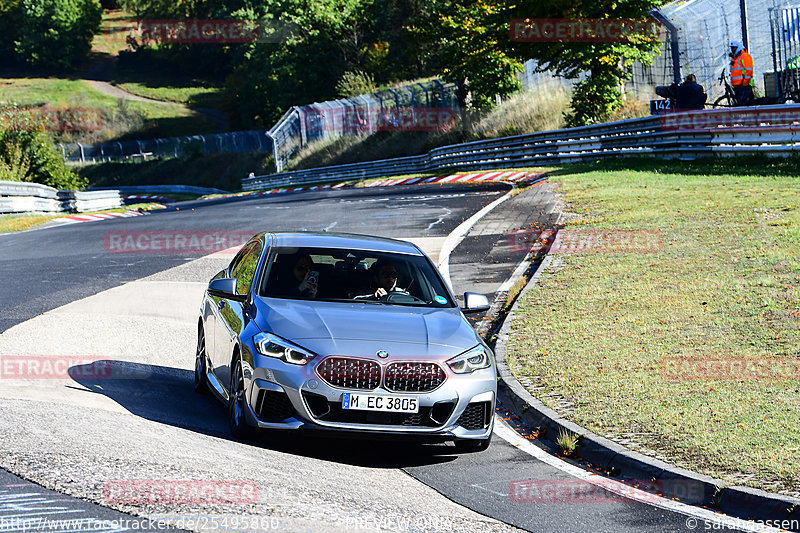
x,y
273,346
471,360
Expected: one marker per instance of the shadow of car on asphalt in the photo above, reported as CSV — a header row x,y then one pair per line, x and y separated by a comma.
x,y
166,395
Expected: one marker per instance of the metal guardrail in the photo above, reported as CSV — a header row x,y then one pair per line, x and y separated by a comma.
x,y
20,197
233,142
160,189
772,130
21,188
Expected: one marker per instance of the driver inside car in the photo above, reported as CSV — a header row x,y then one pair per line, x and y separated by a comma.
x,y
384,281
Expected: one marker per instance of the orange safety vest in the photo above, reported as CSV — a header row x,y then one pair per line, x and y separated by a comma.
x,y
742,69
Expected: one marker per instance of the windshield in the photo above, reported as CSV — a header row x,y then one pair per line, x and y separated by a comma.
x,y
336,275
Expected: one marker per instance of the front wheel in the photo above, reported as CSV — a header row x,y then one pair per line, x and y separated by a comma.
x,y
200,362
236,406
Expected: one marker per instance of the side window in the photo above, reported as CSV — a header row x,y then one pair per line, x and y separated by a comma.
x,y
245,268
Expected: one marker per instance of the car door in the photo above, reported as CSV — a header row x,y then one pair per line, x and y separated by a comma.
x,y
211,308
230,313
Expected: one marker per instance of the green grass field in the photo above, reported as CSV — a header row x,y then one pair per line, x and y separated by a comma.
x,y
598,336
130,120
161,86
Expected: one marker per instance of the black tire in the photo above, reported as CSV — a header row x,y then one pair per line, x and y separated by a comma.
x,y
237,419
724,101
472,446
200,364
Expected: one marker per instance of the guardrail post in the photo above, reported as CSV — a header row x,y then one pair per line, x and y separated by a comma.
x,y
427,97
441,91
276,159
413,111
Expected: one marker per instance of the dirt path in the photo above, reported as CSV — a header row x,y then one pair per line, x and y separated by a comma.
x,y
97,73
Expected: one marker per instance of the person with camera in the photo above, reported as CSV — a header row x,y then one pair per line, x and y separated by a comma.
x,y
306,277
690,94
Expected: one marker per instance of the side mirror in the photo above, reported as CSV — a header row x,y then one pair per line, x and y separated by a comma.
x,y
475,303
225,288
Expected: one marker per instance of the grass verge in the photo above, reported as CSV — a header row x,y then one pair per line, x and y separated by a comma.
x,y
126,120
22,222
723,285
12,223
222,171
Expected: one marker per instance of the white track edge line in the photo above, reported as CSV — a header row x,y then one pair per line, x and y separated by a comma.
x,y
507,433
457,235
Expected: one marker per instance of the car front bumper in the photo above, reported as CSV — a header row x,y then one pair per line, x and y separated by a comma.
x,y
292,397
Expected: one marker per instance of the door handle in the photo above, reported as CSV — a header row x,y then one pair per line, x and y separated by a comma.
x,y
221,305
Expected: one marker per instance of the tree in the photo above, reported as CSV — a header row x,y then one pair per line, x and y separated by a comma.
x,y
312,44
467,41
606,65
9,26
56,33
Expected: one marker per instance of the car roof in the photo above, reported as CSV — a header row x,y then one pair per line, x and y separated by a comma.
x,y
347,241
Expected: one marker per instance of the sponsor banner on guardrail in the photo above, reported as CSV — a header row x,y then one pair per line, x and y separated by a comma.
x,y
51,118
583,30
775,119
173,242
678,368
160,492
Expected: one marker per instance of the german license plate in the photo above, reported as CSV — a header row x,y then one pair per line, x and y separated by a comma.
x,y
375,402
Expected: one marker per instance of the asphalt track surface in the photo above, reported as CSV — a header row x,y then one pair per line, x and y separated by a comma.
x,y
45,269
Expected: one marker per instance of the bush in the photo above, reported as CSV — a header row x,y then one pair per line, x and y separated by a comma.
x,y
56,33
594,100
27,153
354,83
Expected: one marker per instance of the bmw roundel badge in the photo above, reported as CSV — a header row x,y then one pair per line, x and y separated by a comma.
x,y
383,354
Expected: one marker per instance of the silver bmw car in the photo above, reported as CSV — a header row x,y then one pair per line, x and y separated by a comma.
x,y
345,333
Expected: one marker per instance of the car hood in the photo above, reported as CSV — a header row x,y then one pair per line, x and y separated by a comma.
x,y
363,329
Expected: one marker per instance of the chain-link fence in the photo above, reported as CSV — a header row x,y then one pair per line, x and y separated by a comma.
x,y
397,108
705,29
533,80
233,142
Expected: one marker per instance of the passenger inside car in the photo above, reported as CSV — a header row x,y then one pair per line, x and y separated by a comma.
x,y
295,275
